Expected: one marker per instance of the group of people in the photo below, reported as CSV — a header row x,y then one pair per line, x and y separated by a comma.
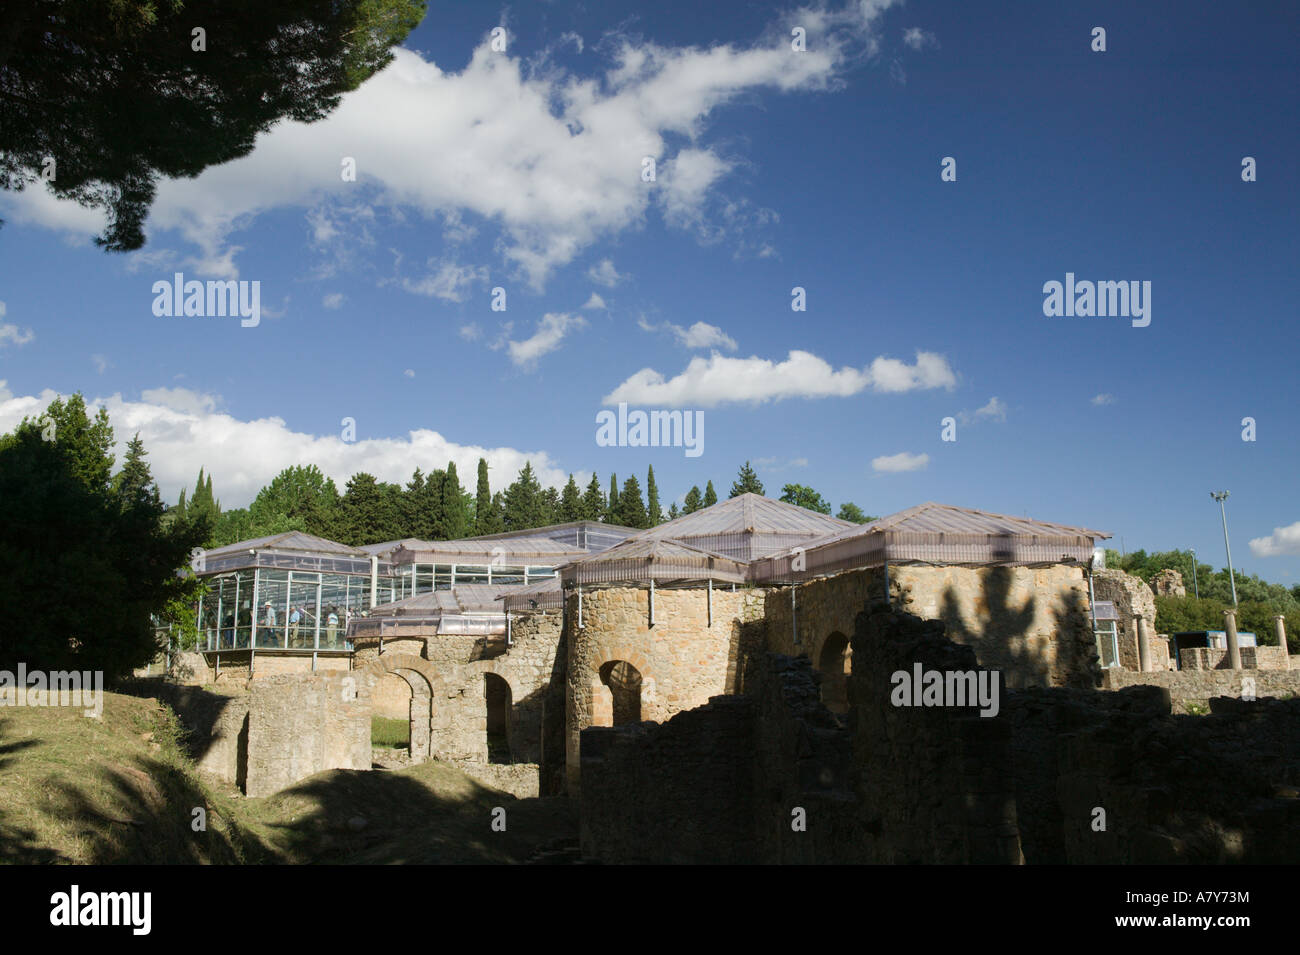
x,y
302,628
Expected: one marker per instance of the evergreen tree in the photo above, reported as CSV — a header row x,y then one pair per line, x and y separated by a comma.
x,y
413,505
456,505
631,509
483,513
673,513
593,501
550,509
134,482
369,511
693,501
570,508
746,482
495,519
91,545
653,514
710,495
137,103
298,498
525,506
611,502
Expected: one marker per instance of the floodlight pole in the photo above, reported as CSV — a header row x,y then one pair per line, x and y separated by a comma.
x,y
1221,496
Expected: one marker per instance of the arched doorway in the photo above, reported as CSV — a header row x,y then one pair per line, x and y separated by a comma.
x,y
624,683
835,663
497,692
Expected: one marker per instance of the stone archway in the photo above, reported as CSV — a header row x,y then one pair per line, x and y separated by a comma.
x,y
835,662
419,675
621,700
496,692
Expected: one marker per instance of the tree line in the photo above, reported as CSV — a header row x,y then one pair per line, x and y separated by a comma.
x,y
1258,601
435,506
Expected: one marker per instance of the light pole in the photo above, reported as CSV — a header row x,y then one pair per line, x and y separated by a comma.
x,y
1221,496
1194,583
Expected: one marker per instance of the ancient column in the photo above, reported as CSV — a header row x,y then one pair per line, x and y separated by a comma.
x,y
1144,647
1234,651
1279,624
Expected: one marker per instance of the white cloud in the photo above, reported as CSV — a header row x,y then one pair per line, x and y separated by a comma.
x,y
333,300
450,282
182,432
470,332
1283,541
903,461
595,301
780,464
13,335
685,183
699,335
919,39
550,332
605,274
549,156
182,399
718,379
409,373
101,363
1104,399
995,410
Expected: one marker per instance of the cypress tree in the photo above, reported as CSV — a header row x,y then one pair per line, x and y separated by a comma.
x,y
611,503
653,514
710,495
693,502
455,508
483,501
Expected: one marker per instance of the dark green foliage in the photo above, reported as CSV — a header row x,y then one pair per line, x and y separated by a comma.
x,y
851,512
654,514
115,91
693,501
570,508
611,502
711,496
746,482
593,501
84,558
803,496
484,515
631,509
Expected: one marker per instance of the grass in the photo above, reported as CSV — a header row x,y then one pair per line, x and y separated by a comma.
x,y
123,790
390,733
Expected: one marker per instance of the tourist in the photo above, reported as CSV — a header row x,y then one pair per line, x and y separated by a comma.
x,y
268,631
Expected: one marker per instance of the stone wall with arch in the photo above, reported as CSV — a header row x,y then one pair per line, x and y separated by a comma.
x,y
681,658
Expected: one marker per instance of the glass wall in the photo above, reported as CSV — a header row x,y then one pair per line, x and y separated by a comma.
x,y
414,579
296,610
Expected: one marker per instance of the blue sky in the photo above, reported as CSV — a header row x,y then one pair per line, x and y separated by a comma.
x,y
480,169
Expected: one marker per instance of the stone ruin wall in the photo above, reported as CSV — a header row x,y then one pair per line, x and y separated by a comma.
x,y
1132,598
1032,622
944,785
276,730
681,659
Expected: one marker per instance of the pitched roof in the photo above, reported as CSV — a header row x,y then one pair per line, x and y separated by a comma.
x,y
645,558
747,527
940,534
289,540
512,549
